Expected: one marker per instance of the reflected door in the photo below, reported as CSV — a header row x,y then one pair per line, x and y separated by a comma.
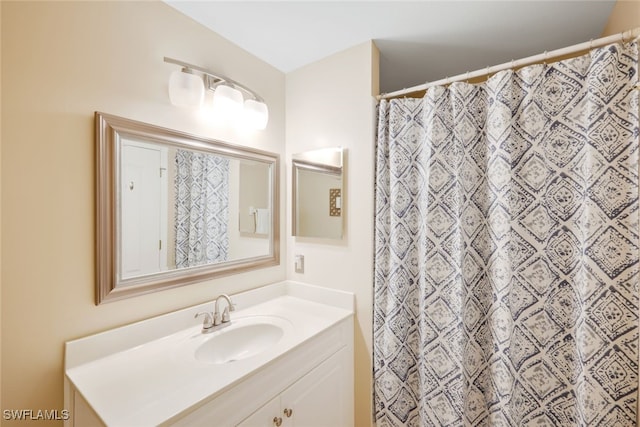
x,y
143,198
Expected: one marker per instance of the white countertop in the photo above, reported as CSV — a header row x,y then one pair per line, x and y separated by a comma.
x,y
136,376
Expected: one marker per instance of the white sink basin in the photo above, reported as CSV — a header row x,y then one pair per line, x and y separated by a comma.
x,y
244,338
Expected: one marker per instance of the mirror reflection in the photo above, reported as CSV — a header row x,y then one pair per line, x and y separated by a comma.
x,y
174,208
184,208
318,193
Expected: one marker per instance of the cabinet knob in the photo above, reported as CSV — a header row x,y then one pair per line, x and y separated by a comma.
x,y
288,412
277,421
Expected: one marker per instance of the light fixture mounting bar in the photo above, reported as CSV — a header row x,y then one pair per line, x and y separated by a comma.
x,y
220,78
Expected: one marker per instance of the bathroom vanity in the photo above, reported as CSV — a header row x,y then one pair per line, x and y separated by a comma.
x,y
284,359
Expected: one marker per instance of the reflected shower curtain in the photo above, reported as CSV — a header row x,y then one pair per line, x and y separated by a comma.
x,y
202,208
506,252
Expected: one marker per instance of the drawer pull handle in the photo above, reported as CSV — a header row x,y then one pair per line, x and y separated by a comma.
x,y
288,412
277,421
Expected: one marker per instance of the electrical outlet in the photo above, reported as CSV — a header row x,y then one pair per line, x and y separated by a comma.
x,y
299,263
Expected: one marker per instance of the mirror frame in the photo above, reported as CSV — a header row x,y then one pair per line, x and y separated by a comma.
x,y
109,130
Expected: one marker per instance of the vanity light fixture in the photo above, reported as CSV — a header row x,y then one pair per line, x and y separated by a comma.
x,y
187,88
227,103
255,114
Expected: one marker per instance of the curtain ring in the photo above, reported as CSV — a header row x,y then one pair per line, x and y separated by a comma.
x,y
591,44
513,65
467,77
544,62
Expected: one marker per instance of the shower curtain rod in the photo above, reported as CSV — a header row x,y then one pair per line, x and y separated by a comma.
x,y
626,35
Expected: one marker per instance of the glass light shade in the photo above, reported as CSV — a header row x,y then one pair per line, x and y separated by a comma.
x,y
227,103
255,114
186,89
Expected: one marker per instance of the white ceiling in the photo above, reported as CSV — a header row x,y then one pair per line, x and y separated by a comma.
x,y
419,41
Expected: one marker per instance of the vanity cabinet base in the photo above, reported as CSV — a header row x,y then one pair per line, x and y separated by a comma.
x,y
313,382
81,412
149,373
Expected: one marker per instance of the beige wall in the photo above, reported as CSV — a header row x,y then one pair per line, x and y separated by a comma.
x,y
330,103
61,61
624,16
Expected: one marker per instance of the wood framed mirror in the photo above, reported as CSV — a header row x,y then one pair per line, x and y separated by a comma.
x,y
173,208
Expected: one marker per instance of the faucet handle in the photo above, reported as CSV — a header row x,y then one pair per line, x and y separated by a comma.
x,y
225,313
208,319
224,317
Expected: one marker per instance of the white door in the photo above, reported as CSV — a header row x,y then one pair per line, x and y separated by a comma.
x,y
143,210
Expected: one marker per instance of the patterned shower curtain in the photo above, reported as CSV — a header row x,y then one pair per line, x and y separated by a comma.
x,y
202,208
506,251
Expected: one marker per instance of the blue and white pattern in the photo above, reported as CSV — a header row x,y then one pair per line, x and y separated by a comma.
x,y
202,208
506,264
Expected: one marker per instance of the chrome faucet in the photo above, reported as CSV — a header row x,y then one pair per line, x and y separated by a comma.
x,y
225,317
216,320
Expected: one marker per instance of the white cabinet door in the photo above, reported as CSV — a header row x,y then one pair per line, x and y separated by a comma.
x,y
264,417
320,398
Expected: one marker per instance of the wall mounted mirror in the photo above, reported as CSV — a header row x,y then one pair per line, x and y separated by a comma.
x,y
174,208
318,193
